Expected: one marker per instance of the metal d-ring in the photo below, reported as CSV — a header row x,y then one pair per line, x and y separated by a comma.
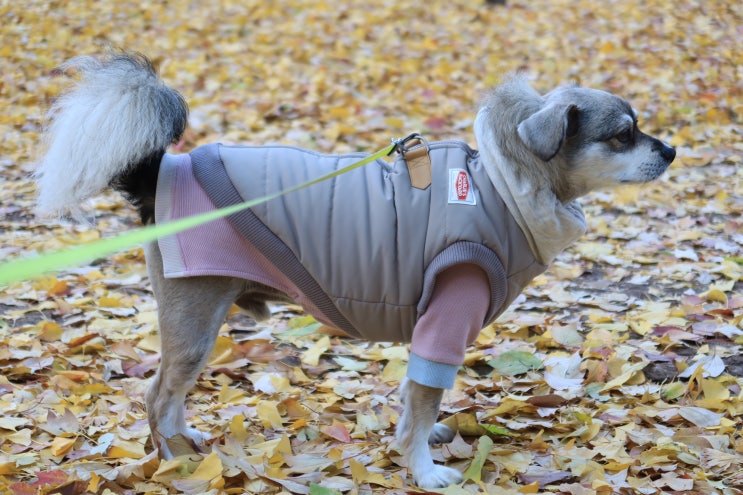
x,y
401,142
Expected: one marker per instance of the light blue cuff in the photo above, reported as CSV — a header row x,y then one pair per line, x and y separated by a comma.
x,y
431,373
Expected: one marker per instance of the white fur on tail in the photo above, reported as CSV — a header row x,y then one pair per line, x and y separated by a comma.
x,y
112,118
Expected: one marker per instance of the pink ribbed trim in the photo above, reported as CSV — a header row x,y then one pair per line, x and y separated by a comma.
x,y
455,315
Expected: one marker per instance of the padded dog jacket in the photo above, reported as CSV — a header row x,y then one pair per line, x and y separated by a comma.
x,y
366,247
361,251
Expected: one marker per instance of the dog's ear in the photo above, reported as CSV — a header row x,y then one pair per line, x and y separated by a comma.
x,y
544,132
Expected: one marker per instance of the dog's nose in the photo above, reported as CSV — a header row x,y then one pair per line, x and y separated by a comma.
x,y
667,152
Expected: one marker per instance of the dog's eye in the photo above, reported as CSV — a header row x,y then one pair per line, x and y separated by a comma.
x,y
624,137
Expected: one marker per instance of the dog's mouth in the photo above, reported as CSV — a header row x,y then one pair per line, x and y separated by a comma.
x,y
656,171
648,172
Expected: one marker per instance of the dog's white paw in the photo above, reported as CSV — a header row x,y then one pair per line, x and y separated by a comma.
x,y
438,477
441,434
199,437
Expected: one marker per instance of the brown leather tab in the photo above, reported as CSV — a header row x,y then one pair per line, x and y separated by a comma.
x,y
419,166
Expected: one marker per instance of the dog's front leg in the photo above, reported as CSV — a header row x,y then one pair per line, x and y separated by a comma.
x,y
416,428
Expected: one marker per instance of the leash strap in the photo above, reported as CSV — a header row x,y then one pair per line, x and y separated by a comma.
x,y
27,268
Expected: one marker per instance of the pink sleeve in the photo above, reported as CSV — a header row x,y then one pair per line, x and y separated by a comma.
x,y
455,315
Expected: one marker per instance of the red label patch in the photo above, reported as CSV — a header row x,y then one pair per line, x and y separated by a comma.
x,y
463,185
461,188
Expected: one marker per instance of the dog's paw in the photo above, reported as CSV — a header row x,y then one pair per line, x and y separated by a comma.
x,y
438,477
441,434
200,438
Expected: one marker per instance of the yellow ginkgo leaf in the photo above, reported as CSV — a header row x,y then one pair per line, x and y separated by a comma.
x,y
210,468
269,415
130,449
62,445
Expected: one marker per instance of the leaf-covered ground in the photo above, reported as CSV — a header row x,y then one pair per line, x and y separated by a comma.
x,y
618,371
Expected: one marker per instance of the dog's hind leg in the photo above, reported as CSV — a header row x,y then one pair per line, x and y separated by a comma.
x,y
416,429
190,312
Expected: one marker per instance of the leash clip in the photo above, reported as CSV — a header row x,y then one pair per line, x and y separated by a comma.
x,y
417,160
401,143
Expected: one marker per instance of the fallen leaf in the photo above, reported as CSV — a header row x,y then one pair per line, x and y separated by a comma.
x,y
474,471
515,362
269,415
337,431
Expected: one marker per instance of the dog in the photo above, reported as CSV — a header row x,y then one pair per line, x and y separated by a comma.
x,y
427,250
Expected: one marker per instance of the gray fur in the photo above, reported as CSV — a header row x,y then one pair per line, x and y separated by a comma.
x,y
565,140
117,114
545,131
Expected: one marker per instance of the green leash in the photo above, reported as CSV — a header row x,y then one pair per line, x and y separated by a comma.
x,y
24,269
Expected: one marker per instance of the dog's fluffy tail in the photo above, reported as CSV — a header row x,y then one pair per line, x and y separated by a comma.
x,y
117,120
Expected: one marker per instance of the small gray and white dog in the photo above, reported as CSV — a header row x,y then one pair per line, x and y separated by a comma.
x,y
493,219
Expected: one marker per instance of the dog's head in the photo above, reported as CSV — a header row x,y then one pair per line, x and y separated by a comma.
x,y
582,139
